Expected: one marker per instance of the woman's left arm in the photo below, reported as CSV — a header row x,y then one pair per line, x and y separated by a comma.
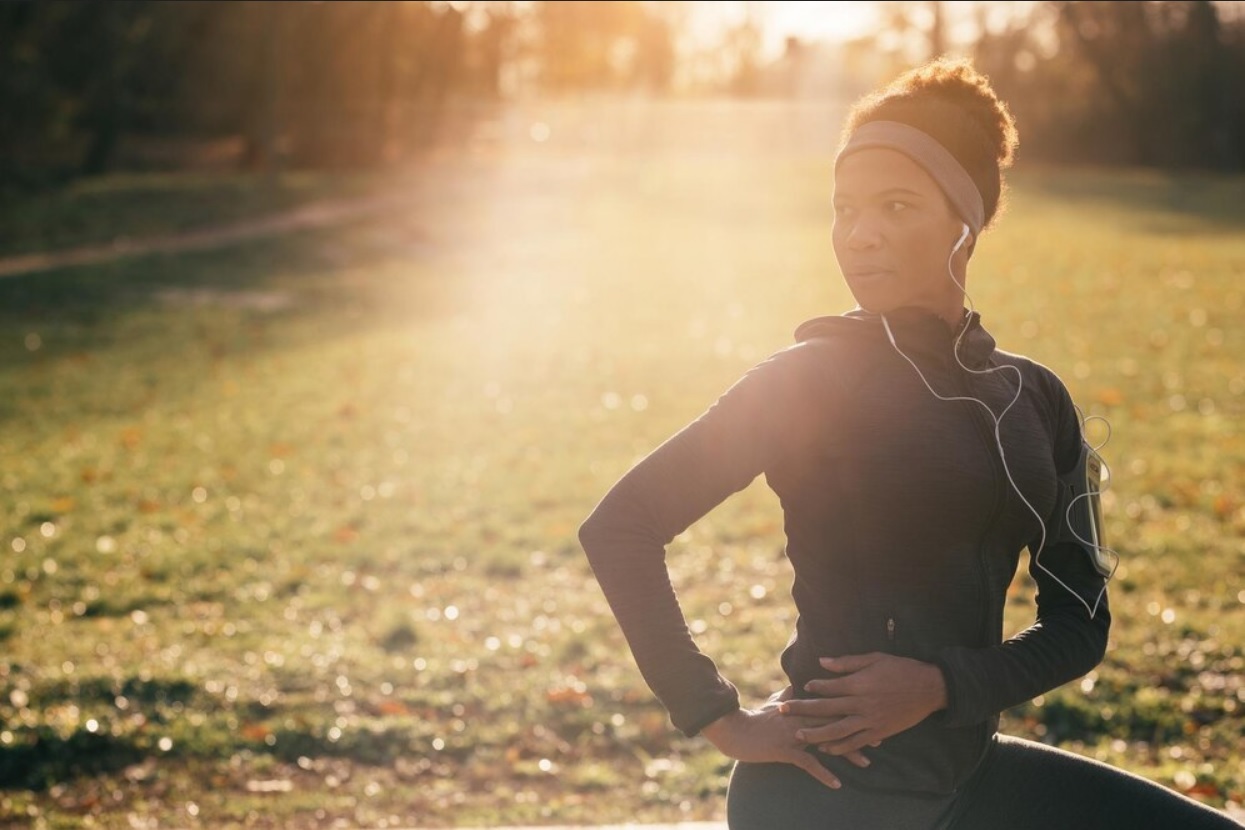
x,y
1065,640
1063,643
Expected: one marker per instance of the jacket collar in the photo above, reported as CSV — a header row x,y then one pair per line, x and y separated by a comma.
x,y
917,331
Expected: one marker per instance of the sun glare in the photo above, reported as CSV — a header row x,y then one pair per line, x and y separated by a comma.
x,y
808,20
819,20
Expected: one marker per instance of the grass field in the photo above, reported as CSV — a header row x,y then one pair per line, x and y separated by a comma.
x,y
289,527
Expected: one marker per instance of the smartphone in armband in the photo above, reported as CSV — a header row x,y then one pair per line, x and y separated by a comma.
x,y
1094,480
1081,508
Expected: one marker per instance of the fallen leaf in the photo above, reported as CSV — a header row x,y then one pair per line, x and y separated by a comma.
x,y
255,731
1110,396
393,707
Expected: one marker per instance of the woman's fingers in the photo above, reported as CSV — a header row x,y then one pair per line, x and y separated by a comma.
x,y
834,733
809,764
819,707
857,758
765,735
847,746
851,662
831,687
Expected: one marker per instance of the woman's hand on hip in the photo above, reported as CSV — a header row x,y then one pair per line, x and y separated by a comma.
x,y
765,735
874,696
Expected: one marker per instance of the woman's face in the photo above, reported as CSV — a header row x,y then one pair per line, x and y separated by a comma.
x,y
893,232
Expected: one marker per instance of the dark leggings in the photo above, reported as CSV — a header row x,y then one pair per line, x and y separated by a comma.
x,y
1021,785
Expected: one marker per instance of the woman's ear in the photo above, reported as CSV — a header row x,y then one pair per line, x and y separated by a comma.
x,y
963,238
966,238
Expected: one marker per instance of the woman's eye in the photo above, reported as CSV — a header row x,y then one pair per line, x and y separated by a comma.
x,y
896,207
843,210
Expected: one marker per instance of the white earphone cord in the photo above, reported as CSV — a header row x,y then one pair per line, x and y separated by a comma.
x,y
1092,609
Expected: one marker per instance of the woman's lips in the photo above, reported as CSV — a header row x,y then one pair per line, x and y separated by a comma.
x,y
868,273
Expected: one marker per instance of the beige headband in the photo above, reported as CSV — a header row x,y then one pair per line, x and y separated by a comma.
x,y
936,160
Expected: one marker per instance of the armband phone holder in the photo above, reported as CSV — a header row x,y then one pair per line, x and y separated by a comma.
x,y
1080,509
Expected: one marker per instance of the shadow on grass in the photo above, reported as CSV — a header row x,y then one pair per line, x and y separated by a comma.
x,y
145,692
44,758
295,288
52,758
1160,203
39,756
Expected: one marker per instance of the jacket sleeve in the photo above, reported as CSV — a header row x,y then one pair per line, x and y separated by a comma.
x,y
716,455
1064,642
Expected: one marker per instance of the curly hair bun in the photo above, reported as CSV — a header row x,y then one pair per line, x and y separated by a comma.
x,y
953,102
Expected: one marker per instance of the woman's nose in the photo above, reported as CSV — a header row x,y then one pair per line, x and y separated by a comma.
x,y
863,235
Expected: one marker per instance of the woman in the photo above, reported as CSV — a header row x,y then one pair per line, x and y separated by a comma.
x,y
913,461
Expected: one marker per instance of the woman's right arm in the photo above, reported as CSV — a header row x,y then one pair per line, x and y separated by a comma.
x,y
766,413
717,454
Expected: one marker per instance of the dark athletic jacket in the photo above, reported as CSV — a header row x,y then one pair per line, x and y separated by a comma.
x,y
902,530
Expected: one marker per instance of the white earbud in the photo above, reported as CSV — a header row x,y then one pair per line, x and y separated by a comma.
x,y
960,242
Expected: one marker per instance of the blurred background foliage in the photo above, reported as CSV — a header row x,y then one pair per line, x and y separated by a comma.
x,y
93,87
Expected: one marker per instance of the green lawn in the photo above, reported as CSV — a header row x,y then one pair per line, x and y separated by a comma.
x,y
289,527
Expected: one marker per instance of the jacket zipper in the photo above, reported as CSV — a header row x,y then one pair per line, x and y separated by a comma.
x,y
987,435
890,629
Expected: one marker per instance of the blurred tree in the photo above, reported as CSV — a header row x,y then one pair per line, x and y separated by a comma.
x,y
1116,40
321,83
742,53
76,76
937,30
1210,121
1123,83
913,31
495,46
655,50
87,85
593,45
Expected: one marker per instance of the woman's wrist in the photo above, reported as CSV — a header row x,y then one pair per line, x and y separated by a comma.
x,y
935,686
713,731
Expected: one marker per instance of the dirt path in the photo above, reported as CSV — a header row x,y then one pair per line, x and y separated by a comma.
x,y
320,214
565,131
